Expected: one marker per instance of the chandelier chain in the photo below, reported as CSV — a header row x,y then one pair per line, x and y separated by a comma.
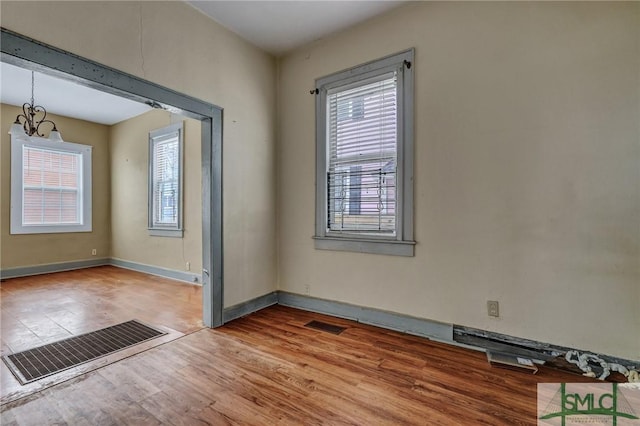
x,y
32,87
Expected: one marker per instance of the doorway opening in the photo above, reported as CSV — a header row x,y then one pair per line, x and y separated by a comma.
x,y
32,55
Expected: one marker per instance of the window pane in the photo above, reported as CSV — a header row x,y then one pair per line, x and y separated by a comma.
x,y
51,187
361,174
166,180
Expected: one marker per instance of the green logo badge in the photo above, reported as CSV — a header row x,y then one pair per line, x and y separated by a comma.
x,y
586,403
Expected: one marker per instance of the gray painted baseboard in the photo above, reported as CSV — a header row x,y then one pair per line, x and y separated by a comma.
x,y
188,277
80,264
250,306
433,330
389,320
25,271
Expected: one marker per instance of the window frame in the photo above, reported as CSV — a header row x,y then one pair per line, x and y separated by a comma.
x,y
402,243
17,227
156,136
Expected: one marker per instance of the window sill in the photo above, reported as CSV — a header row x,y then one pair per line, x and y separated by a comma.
x,y
174,233
48,229
361,245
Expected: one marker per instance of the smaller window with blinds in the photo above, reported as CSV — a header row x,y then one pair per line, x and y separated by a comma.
x,y
165,181
364,150
50,186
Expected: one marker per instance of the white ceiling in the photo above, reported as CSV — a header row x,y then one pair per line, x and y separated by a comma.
x,y
66,98
274,26
280,26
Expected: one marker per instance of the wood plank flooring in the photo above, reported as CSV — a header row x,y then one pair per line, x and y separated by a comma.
x,y
268,368
47,308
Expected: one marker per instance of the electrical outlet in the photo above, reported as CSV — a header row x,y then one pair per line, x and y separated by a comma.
x,y
188,266
493,308
94,252
307,289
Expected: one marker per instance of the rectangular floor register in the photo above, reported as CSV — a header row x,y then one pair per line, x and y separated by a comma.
x,y
323,326
52,358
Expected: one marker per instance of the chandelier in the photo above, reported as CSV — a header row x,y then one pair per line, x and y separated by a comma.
x,y
33,116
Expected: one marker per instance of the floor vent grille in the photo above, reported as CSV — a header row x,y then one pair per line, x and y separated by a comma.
x,y
329,328
34,364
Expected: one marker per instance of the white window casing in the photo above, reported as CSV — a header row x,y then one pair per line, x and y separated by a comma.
x,y
364,158
166,181
50,186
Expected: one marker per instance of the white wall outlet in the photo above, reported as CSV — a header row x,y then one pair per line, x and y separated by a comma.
x,y
493,308
307,289
188,266
94,252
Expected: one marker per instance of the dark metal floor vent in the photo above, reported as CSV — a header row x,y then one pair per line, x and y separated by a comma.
x,y
329,328
43,361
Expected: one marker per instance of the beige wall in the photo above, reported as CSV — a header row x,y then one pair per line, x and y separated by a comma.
x,y
172,44
527,171
130,239
40,249
527,153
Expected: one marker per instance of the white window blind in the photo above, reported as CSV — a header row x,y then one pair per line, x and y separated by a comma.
x,y
166,181
362,129
364,158
52,187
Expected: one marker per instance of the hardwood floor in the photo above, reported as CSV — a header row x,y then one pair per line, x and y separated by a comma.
x,y
47,308
268,368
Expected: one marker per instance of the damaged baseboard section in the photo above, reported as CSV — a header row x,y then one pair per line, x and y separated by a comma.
x,y
537,351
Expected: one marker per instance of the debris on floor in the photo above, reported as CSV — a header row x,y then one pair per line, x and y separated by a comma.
x,y
511,361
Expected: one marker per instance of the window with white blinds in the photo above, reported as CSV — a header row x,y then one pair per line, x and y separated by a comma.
x,y
51,186
364,151
361,176
165,181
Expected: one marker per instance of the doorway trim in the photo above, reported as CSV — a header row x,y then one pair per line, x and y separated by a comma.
x,y
31,54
